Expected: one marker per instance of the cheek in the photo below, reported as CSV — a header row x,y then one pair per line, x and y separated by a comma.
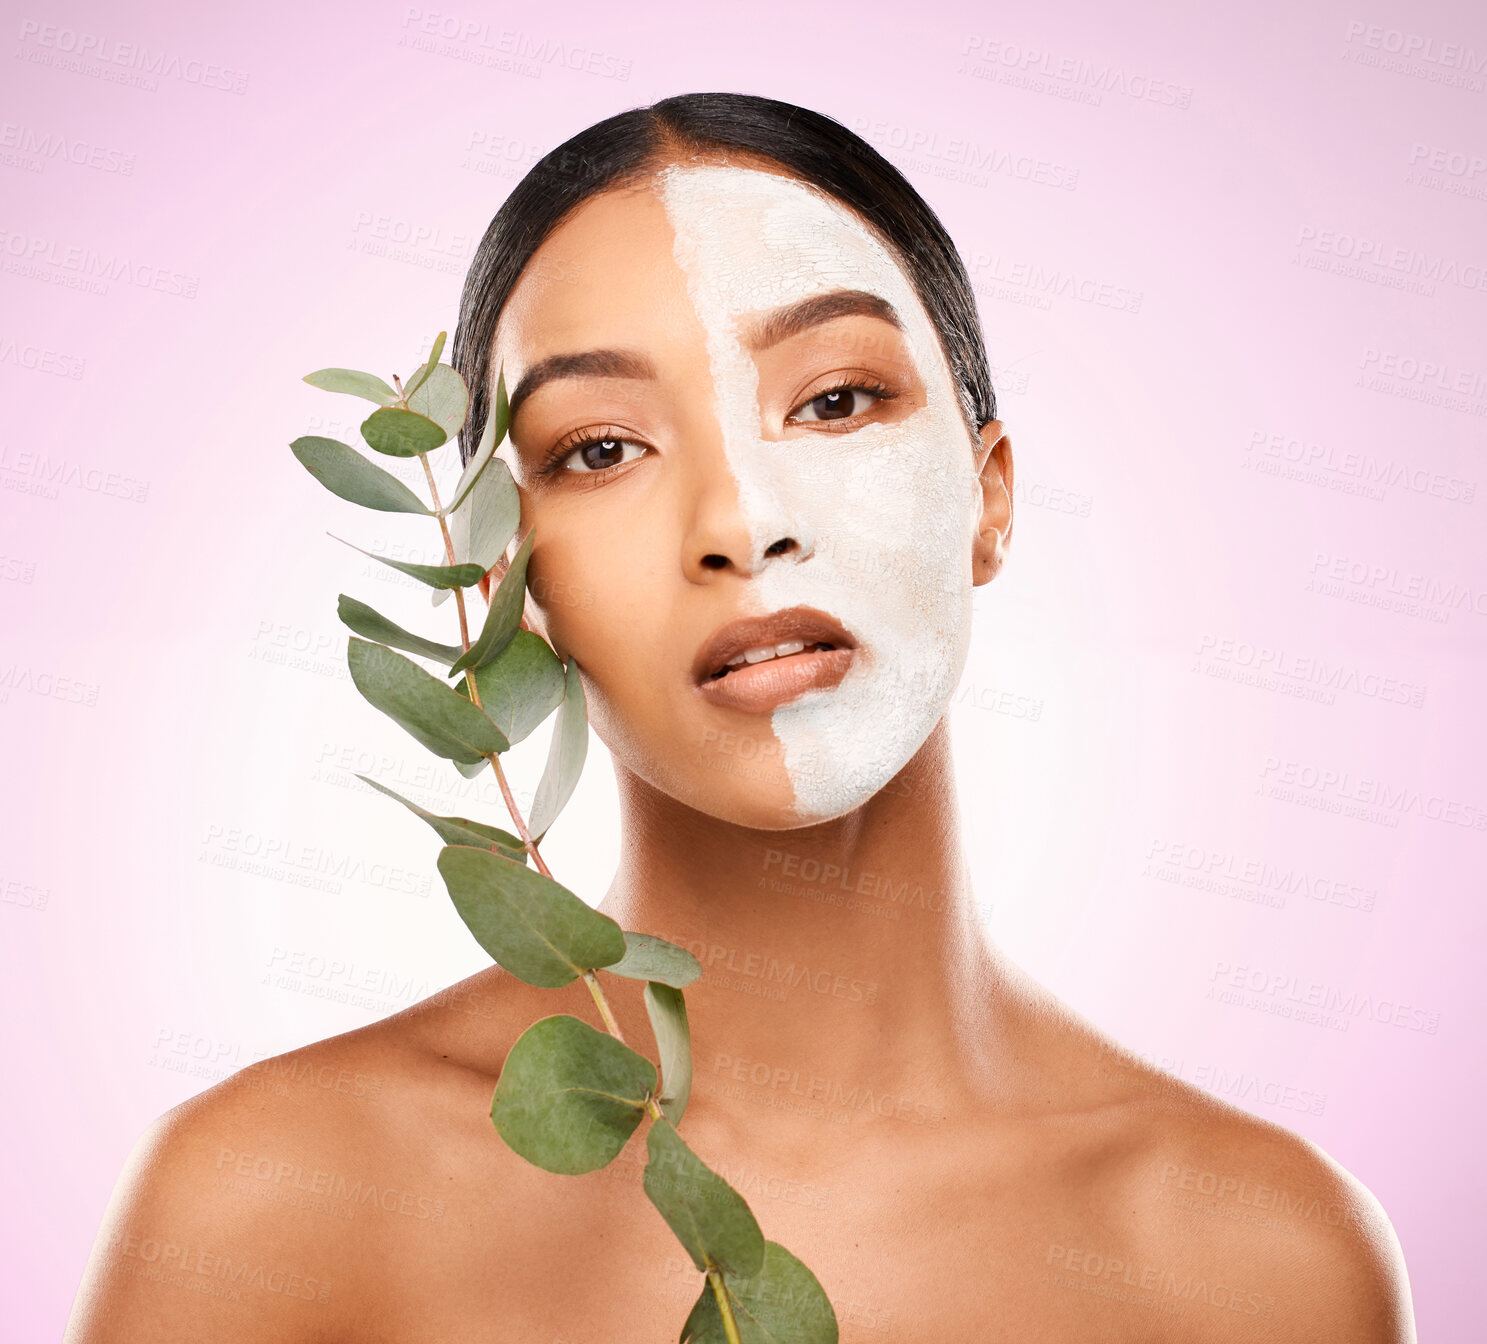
x,y
582,576
889,509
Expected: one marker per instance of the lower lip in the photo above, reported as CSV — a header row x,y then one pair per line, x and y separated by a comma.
x,y
756,687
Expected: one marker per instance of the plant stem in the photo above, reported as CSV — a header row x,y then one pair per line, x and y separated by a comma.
x,y
590,979
725,1307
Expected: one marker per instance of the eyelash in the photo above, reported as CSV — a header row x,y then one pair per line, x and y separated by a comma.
x,y
562,451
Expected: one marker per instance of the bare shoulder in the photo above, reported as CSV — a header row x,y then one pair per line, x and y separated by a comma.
x,y
260,1209
1245,1225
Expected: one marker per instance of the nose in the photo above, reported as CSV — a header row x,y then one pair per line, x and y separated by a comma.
x,y
742,516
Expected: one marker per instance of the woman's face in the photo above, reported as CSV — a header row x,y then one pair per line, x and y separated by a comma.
x,y
747,453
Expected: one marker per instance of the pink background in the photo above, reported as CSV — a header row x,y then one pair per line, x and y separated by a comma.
x,y
1233,291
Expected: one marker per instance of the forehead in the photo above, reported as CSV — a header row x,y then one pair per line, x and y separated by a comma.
x,y
695,244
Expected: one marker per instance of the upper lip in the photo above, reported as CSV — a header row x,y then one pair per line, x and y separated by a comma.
x,y
808,624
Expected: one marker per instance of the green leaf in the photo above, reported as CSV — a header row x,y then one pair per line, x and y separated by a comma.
x,y
442,719
536,928
565,757
484,451
353,382
667,1010
376,626
650,958
345,472
482,527
783,1302
425,369
570,1096
710,1218
444,399
503,617
521,687
470,769
458,830
490,436
400,433
503,406
436,576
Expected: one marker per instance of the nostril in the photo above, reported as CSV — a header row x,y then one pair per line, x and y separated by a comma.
x,y
782,545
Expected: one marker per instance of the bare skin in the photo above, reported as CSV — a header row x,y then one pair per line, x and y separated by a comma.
x,y
952,1151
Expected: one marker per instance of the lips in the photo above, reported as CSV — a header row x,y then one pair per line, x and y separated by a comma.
x,y
763,685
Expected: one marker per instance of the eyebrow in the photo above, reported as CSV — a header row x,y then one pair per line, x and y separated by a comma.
x,y
585,364
794,318
780,324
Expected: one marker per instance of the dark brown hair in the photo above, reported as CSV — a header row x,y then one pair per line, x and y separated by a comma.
x,y
629,146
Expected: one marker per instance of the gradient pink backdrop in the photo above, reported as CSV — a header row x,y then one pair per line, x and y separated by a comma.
x,y
1233,291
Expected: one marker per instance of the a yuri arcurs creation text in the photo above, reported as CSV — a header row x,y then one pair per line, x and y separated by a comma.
x,y
569,1095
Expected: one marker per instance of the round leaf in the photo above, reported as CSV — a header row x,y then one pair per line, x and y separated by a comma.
x,y
354,383
784,1301
444,399
443,720
536,928
521,687
710,1218
650,958
569,1096
400,433
345,472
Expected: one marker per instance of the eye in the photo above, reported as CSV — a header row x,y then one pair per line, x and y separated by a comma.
x,y
592,454
842,402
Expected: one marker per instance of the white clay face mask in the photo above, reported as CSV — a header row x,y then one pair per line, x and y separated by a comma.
x,y
883,515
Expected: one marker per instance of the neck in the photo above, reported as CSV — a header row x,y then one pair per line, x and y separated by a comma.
x,y
843,953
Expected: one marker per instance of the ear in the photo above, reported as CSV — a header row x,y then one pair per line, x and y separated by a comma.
x,y
994,475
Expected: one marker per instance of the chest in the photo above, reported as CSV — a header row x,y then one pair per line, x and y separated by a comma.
x,y
907,1251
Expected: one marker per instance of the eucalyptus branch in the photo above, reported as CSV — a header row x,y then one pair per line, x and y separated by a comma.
x,y
569,1096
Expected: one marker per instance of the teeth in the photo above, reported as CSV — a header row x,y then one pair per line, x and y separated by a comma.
x,y
767,651
764,652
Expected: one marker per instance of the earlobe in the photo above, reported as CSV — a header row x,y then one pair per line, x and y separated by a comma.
x,y
994,528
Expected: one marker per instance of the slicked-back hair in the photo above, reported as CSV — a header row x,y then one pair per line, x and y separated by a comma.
x,y
630,146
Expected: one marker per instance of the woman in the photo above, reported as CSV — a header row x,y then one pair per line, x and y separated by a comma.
x,y
753,428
